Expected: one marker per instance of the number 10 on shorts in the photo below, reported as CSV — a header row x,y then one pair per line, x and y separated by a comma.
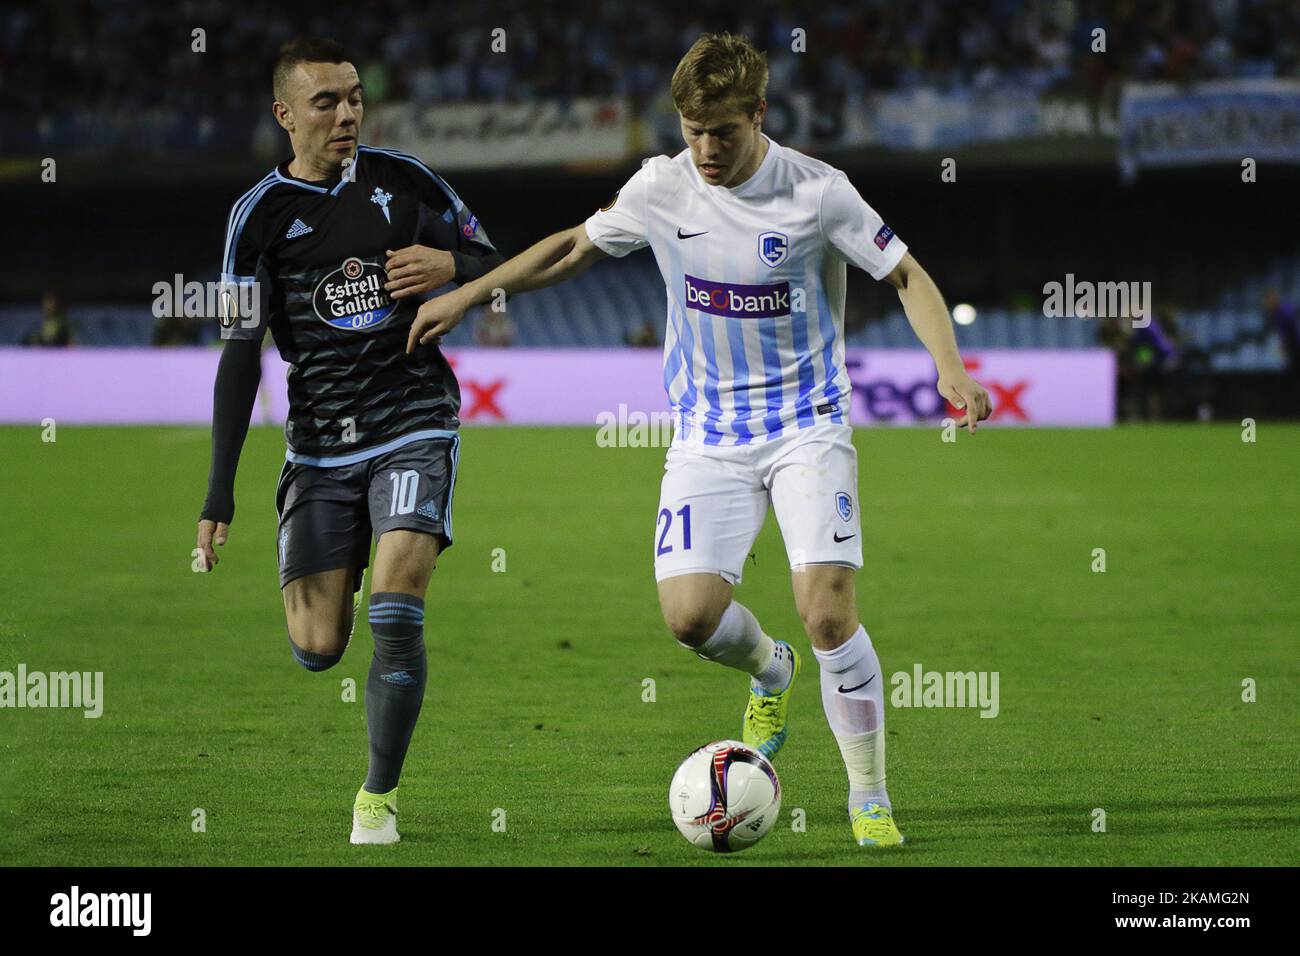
x,y
666,517
406,486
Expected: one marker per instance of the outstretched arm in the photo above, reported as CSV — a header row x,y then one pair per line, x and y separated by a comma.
x,y
560,256
928,314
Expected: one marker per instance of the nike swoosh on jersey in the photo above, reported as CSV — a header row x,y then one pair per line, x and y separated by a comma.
x,y
838,539
690,235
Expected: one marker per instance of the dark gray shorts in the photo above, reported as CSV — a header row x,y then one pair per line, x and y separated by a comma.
x,y
329,514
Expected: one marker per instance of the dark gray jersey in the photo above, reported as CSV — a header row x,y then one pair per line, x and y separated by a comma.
x,y
306,259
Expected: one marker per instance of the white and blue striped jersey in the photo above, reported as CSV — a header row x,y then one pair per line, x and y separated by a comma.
x,y
755,275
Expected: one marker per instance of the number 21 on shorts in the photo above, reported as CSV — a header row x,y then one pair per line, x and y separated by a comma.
x,y
666,519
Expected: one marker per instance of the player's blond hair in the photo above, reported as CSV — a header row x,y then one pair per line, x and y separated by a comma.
x,y
718,69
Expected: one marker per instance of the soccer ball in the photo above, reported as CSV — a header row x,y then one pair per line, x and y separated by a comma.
x,y
725,796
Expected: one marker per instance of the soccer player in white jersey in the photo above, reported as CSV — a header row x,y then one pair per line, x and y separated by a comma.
x,y
752,239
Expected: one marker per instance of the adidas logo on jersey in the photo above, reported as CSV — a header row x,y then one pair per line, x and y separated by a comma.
x,y
299,228
427,510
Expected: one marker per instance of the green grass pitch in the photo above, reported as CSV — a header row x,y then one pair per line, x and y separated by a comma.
x,y
1120,690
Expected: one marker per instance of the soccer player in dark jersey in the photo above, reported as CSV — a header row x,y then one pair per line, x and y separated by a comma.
x,y
331,251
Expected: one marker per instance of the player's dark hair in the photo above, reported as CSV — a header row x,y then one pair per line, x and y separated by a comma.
x,y
304,50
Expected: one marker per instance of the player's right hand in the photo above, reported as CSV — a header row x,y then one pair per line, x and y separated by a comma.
x,y
211,532
435,319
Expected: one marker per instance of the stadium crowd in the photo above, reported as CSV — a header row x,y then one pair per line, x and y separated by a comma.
x,y
91,55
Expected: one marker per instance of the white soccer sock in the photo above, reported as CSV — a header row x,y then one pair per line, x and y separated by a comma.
x,y
739,642
854,700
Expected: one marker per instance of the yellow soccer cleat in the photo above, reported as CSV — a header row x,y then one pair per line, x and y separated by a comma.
x,y
764,726
374,817
873,825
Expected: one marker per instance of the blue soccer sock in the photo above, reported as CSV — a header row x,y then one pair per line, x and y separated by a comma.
x,y
395,687
312,660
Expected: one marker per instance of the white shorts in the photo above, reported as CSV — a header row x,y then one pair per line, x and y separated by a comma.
x,y
714,500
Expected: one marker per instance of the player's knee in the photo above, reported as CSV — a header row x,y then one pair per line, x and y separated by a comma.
x,y
692,625
827,626
317,648
406,579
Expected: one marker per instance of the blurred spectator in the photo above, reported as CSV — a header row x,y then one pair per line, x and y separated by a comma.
x,y
54,331
494,329
1148,363
1156,355
1284,319
177,330
646,335
1113,334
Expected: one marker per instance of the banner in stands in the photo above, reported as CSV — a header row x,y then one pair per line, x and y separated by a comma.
x,y
481,135
922,119
543,386
489,135
1163,124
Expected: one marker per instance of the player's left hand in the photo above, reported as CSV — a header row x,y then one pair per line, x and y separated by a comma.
x,y
417,269
210,533
967,395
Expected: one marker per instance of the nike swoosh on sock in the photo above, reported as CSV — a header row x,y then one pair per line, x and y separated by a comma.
x,y
849,690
